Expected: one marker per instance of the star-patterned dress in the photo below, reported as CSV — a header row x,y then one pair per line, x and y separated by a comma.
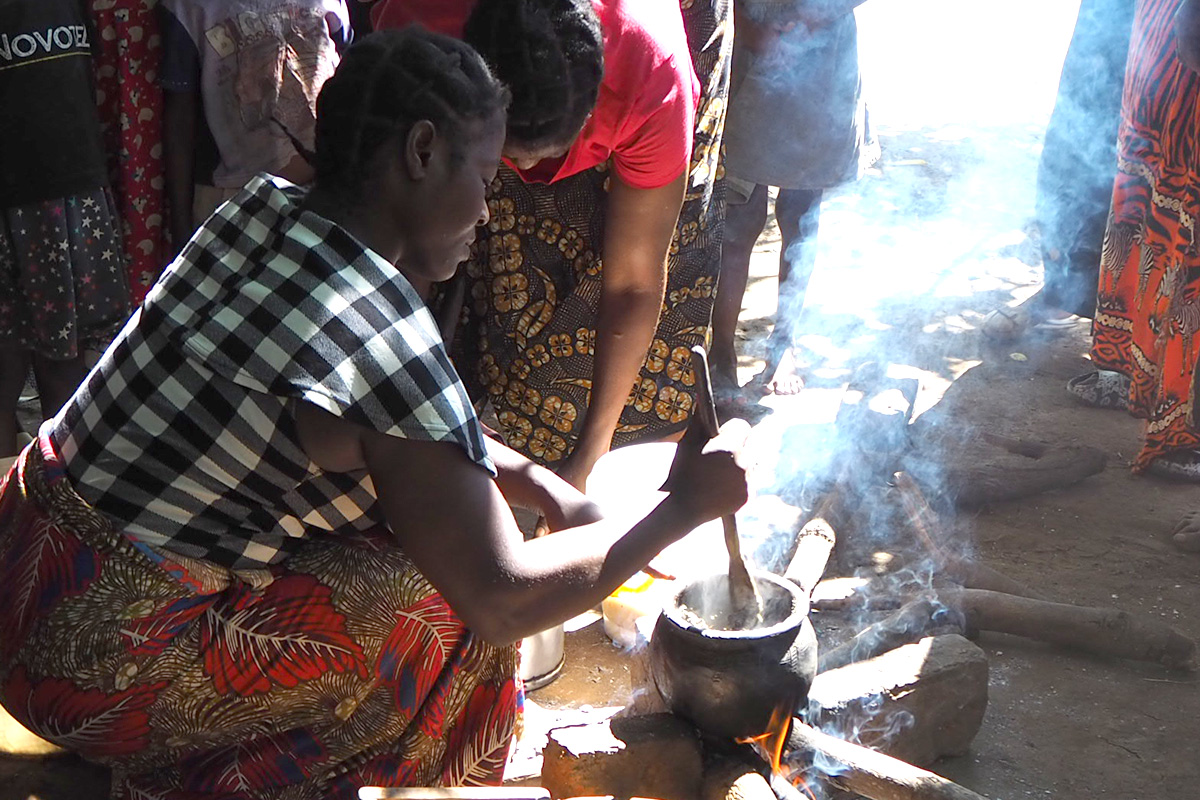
x,y
63,287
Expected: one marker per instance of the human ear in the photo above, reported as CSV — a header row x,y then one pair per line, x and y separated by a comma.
x,y
418,148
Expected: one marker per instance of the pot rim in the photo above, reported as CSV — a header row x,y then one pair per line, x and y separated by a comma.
x,y
799,612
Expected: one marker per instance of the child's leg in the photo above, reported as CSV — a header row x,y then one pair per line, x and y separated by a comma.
x,y
14,366
57,380
798,213
743,223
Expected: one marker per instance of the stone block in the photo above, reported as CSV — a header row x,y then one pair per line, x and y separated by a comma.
x,y
918,703
656,755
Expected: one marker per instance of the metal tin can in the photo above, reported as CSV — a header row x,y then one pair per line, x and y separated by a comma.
x,y
542,657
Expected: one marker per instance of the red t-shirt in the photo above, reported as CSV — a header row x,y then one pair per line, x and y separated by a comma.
x,y
646,109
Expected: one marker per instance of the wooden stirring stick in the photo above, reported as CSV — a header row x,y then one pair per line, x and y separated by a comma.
x,y
745,602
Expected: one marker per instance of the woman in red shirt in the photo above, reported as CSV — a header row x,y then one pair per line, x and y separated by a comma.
x,y
610,158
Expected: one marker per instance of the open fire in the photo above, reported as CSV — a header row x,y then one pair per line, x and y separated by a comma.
x,y
896,674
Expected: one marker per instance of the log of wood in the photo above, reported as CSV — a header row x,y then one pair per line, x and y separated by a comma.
x,y
976,575
1102,631
734,779
1015,446
868,773
910,623
975,479
927,528
814,544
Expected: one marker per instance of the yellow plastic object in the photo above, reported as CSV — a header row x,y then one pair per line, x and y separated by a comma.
x,y
639,598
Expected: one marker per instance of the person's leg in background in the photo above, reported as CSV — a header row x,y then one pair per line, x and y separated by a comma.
x,y
798,214
14,368
1076,172
1079,158
57,380
745,216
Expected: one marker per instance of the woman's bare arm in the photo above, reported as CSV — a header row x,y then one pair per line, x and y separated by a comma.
x,y
452,520
639,226
525,484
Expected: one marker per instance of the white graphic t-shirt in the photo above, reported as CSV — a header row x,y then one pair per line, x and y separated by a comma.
x,y
258,65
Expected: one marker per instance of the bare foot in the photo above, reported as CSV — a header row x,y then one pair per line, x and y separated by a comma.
x,y
1186,534
780,376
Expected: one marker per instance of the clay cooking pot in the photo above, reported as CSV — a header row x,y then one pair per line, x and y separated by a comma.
x,y
728,682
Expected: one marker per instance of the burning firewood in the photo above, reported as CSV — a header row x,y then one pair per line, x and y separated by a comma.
x,y
869,773
814,545
735,779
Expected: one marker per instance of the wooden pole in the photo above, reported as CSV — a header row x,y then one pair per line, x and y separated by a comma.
x,y
814,544
1103,631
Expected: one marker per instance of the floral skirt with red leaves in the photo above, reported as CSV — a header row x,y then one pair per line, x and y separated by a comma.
x,y
342,668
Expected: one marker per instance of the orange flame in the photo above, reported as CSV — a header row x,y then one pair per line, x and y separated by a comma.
x,y
770,745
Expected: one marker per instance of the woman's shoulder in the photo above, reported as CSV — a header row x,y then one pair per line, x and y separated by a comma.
x,y
647,102
641,35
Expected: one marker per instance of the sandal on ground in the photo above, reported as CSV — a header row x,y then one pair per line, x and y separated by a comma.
x,y
1057,323
1100,388
1181,465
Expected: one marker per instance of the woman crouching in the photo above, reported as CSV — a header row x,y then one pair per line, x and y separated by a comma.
x,y
266,550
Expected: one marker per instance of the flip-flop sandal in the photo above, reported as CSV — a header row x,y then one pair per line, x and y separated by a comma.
x,y
1181,465
1100,388
1057,323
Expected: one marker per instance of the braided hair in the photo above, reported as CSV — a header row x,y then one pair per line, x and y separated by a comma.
x,y
387,82
551,55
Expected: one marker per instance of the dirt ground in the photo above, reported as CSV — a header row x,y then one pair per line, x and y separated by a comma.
x,y
912,257
1059,724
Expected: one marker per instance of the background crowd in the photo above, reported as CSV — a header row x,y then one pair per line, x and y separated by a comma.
x,y
316,253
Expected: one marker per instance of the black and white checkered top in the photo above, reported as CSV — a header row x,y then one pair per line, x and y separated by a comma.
x,y
183,433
